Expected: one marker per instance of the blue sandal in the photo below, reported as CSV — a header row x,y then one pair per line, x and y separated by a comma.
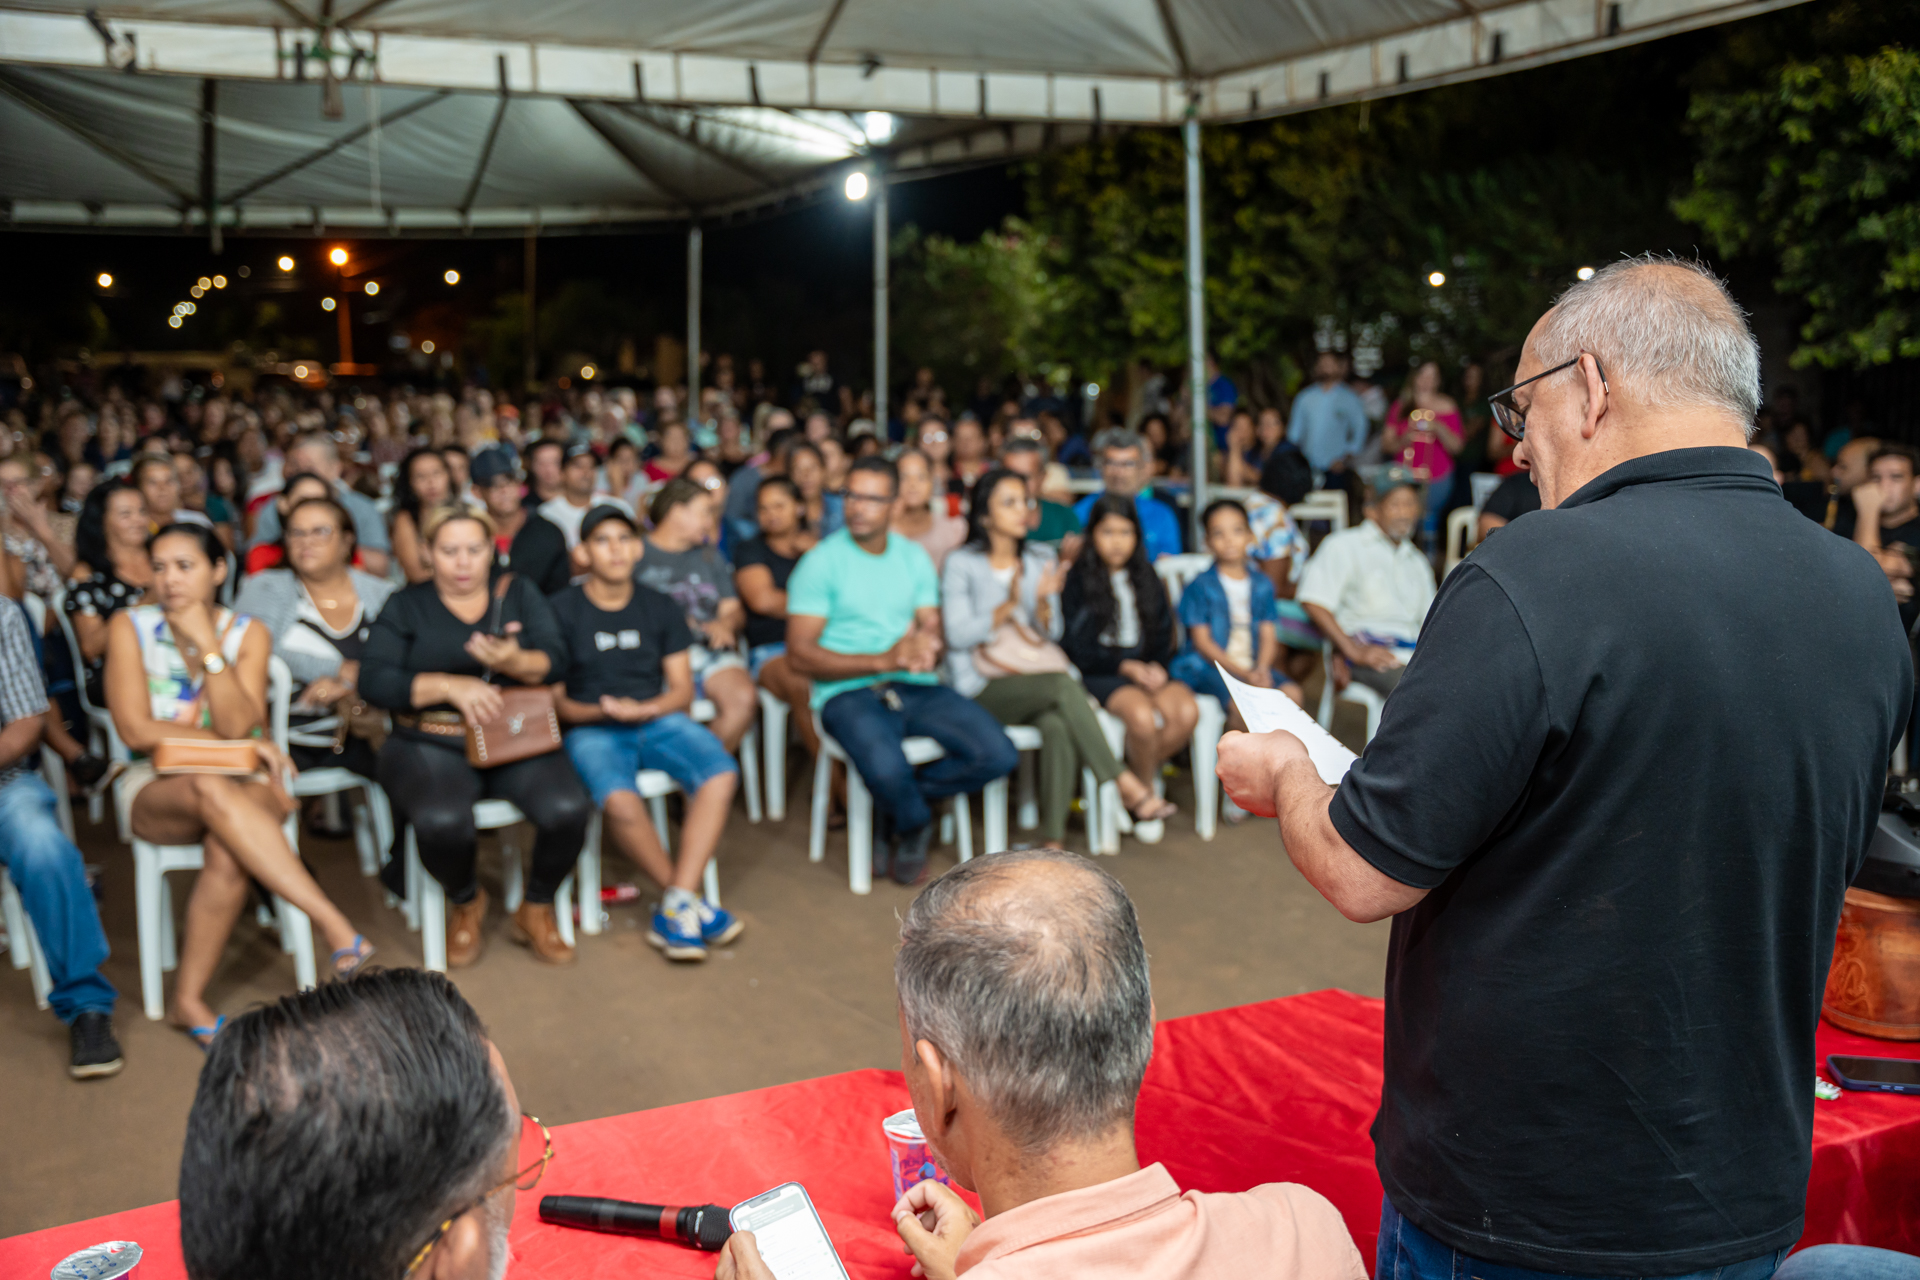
x,y
203,1036
354,953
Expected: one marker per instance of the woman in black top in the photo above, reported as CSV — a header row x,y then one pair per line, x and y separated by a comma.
x,y
425,661
113,571
761,567
1120,634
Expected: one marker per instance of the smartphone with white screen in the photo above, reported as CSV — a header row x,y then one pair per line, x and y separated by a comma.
x,y
792,1239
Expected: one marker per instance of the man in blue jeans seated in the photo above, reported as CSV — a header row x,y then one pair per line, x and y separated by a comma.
x,y
44,865
624,694
863,623
1230,616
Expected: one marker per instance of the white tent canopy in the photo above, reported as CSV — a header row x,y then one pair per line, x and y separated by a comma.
x,y
477,113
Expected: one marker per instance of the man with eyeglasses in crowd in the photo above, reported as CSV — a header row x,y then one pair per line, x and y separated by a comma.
x,y
1613,812
1123,469
364,1128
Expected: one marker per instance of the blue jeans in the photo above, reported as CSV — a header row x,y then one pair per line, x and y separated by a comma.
x,y
1849,1262
1201,676
870,731
1405,1252
609,755
52,880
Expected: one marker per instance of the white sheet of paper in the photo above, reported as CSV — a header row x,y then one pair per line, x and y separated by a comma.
x,y
1265,710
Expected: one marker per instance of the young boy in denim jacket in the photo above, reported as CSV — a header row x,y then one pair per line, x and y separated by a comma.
x,y
1229,615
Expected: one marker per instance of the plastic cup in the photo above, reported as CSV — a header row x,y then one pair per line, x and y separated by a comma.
x,y
907,1151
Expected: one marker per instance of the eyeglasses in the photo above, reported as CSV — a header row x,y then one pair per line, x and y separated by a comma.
x,y
325,533
525,1180
1512,419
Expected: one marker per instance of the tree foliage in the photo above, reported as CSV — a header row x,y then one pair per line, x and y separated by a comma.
x,y
1818,167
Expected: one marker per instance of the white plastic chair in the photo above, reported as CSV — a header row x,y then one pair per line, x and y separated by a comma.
x,y
104,737
1178,571
1460,526
703,712
654,787
426,902
22,941
773,728
373,824
153,901
918,751
1371,699
1322,504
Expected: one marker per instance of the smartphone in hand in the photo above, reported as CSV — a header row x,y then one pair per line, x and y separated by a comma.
x,y
793,1241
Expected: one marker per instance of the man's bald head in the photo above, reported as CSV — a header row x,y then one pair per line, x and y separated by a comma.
x,y
1666,331
1027,972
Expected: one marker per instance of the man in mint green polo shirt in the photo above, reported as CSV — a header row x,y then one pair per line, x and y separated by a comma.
x,y
863,623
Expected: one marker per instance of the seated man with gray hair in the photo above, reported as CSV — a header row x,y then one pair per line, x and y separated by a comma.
x,y
1125,469
365,1128
1026,1022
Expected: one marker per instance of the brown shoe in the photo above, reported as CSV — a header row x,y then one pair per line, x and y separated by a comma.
x,y
464,924
535,925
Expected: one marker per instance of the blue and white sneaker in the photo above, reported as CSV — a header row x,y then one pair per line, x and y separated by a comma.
x,y
717,927
676,931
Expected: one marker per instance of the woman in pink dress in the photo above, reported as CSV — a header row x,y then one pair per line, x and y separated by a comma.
x,y
1423,434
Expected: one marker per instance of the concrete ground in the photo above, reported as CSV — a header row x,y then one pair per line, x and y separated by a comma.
x,y
806,991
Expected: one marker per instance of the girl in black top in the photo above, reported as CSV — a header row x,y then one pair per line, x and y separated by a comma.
x,y
761,568
1120,634
425,661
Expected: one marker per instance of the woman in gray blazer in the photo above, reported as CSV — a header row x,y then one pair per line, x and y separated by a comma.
x,y
319,610
998,578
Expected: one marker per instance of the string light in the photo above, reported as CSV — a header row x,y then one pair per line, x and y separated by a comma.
x,y
338,257
427,346
373,287
173,322
104,280
326,304
452,276
197,291
204,283
1584,273
219,282
286,263
587,371
1437,279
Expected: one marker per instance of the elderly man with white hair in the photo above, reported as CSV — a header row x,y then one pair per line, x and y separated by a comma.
x,y
1612,808
1026,1022
315,453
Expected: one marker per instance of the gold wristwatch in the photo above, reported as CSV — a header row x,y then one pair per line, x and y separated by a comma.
x,y
213,664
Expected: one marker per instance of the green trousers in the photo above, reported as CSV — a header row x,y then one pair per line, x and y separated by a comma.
x,y
1070,737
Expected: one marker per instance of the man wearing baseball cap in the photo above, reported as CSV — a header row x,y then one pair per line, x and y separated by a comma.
x,y
568,509
624,694
526,543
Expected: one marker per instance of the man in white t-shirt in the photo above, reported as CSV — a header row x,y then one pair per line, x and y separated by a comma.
x,y
579,475
1368,588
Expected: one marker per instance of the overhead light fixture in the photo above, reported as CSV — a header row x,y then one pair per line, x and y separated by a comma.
x,y
338,257
104,280
219,282
427,346
286,263
877,125
1437,278
857,185
1584,273
373,287
326,304
452,276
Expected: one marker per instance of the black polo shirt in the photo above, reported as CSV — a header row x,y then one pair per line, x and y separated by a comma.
x,y
1637,758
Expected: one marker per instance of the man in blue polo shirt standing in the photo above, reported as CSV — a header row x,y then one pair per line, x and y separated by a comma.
x,y
863,623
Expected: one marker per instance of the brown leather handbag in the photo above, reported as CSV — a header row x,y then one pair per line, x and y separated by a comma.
x,y
527,726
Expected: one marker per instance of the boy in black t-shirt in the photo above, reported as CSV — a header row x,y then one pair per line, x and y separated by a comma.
x,y
624,694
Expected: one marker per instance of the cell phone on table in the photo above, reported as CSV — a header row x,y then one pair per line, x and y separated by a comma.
x,y
792,1239
1886,1075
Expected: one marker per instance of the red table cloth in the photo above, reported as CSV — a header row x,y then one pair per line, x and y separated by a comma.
x,y
1282,1091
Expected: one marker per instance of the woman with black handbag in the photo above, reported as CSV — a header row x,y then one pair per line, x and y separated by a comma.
x,y
462,663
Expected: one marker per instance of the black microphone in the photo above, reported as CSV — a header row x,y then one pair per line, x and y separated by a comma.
x,y
702,1226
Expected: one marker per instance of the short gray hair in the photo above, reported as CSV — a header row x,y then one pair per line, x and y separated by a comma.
x,y
1677,340
1118,438
1044,1006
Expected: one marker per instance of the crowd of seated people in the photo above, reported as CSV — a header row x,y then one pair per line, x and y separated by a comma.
x,y
942,576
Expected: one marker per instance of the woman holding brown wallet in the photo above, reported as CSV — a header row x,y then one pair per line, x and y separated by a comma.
x,y
438,657
185,668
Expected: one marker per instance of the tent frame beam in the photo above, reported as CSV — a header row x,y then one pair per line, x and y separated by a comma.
x,y
346,139
486,148
113,151
1199,428
741,167
634,162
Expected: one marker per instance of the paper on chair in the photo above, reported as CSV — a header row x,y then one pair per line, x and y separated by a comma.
x,y
1265,710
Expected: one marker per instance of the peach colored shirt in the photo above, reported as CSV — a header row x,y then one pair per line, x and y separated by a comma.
x,y
1141,1225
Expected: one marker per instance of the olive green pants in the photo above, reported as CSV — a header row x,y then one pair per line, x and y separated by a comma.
x,y
1070,737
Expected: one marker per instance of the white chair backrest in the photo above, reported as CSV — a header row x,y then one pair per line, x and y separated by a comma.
x,y
1482,484
1322,504
36,612
279,700
1176,571
59,609
1460,523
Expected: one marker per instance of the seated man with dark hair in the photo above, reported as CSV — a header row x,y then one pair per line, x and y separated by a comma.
x,y
365,1128
1026,1023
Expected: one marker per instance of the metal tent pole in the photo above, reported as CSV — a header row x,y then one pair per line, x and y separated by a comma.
x,y
1196,326
880,304
693,323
